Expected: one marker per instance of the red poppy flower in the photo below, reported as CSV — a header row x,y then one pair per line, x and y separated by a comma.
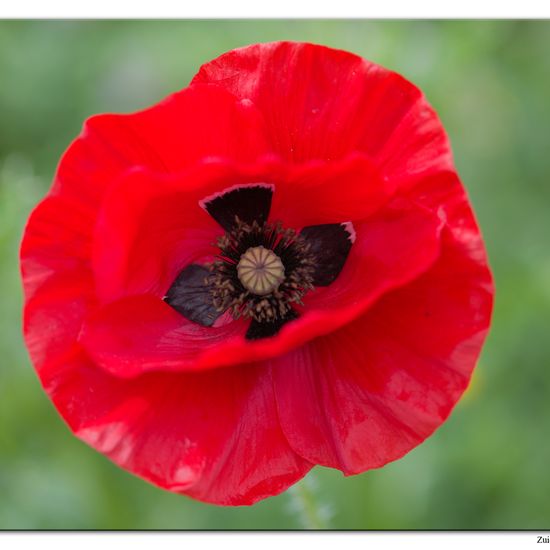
x,y
274,268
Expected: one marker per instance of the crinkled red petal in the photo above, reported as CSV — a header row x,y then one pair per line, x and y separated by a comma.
x,y
184,433
139,334
188,433
151,226
321,103
321,192
185,444
56,240
391,248
199,122
148,229
59,232
367,394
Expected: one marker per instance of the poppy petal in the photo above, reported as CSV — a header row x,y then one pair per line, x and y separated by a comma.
x,y
330,244
110,145
347,189
248,203
390,248
162,427
190,296
56,240
170,431
53,316
148,229
165,428
150,225
142,333
167,137
339,103
370,392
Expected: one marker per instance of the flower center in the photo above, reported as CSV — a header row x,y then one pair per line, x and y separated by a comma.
x,y
260,270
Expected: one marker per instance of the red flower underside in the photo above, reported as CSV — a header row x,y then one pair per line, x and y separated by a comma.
x,y
377,359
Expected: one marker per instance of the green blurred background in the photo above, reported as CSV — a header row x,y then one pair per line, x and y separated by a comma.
x,y
488,467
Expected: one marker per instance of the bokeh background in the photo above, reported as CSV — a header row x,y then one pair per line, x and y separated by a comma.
x,y
488,467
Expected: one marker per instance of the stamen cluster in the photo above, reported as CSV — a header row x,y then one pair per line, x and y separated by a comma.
x,y
229,294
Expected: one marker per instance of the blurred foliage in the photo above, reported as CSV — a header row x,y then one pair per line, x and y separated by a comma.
x,y
488,466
